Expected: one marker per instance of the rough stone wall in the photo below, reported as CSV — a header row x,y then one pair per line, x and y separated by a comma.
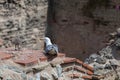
x,y
23,18
77,34
111,75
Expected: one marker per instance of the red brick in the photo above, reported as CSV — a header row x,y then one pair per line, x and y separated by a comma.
x,y
87,77
85,65
78,75
69,60
43,58
79,61
83,70
1,41
31,58
79,69
4,56
88,67
61,55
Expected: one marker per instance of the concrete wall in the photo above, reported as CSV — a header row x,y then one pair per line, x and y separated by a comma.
x,y
77,34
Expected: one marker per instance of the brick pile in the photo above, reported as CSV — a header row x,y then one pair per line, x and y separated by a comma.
x,y
30,61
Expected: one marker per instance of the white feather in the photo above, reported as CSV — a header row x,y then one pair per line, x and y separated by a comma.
x,y
48,41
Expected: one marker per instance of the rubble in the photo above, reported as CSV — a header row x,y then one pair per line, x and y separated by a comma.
x,y
104,62
35,65
28,19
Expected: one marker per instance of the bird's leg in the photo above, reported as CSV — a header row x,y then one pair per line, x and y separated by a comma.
x,y
15,47
18,47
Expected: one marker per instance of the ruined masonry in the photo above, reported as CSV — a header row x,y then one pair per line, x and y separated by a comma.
x,y
29,64
23,18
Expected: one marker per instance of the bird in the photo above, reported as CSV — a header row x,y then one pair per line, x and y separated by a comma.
x,y
17,42
50,49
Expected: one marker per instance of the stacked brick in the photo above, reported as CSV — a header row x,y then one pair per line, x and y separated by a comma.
x,y
29,61
22,18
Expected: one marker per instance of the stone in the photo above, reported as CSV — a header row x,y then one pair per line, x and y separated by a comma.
x,y
45,76
37,76
100,60
106,50
109,56
1,73
36,31
111,42
59,70
114,63
9,23
8,78
87,61
98,67
24,76
98,73
92,58
96,58
54,74
40,67
30,79
28,70
13,68
108,66
113,34
118,31
117,42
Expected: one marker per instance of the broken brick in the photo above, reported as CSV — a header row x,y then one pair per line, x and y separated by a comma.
x,y
69,60
4,56
1,41
26,61
79,69
84,70
85,65
78,75
78,61
43,58
32,58
87,77
61,55
88,67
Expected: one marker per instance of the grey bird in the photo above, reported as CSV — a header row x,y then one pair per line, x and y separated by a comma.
x,y
17,42
50,49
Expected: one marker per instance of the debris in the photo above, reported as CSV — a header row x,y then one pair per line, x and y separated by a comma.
x,y
59,70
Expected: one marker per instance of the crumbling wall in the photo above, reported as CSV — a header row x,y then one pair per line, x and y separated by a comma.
x,y
23,18
78,34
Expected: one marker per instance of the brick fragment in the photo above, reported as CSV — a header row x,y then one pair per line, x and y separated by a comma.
x,y
79,69
75,75
71,60
4,56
